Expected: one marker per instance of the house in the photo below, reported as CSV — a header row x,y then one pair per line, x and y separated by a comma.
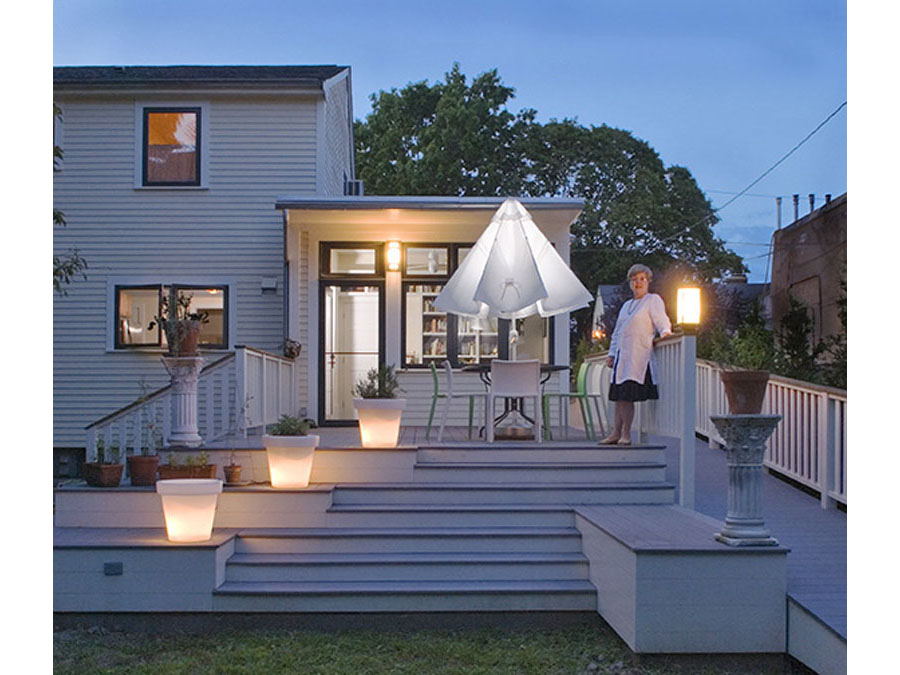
x,y
809,262
236,185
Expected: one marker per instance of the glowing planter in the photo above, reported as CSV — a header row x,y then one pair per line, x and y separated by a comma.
x,y
379,421
290,459
189,507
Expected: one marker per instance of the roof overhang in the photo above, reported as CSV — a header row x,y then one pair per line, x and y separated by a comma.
x,y
435,218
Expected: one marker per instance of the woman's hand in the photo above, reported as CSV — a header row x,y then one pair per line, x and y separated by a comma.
x,y
610,361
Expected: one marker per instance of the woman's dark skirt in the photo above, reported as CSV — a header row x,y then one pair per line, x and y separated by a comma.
x,y
629,390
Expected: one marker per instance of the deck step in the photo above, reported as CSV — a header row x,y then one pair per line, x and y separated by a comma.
x,y
546,452
461,515
581,472
410,540
407,596
296,567
632,492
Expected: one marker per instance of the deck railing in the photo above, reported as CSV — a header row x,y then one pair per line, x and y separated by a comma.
x,y
264,383
809,445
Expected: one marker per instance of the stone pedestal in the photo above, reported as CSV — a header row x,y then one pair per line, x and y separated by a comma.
x,y
184,372
745,445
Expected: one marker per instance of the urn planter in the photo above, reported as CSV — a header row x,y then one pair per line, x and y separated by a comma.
x,y
189,507
290,459
745,390
379,421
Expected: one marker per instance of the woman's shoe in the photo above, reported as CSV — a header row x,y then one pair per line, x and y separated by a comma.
x,y
609,440
623,441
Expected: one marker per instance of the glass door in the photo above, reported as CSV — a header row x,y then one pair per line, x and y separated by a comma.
x,y
352,326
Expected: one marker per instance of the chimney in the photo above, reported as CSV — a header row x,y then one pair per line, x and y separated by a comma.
x,y
812,203
827,198
778,212
796,207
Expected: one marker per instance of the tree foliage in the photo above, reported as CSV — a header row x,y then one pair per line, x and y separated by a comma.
x,y
65,267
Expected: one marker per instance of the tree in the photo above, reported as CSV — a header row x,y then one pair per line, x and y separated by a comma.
x,y
65,267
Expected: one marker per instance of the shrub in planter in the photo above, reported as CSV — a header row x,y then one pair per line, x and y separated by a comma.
x,y
378,408
193,467
107,470
289,451
232,470
142,468
181,325
746,359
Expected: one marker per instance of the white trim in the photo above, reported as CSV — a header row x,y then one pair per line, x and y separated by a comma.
x,y
321,141
139,106
145,280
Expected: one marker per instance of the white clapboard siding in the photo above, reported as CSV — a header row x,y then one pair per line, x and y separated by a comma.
x,y
258,148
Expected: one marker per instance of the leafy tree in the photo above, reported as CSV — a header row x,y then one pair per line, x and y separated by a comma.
x,y
65,267
796,351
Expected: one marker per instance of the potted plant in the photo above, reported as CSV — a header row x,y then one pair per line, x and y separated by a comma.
x,y
289,451
181,325
746,359
378,408
194,467
232,470
107,470
142,468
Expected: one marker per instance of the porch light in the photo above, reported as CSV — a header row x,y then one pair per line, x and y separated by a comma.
x,y
688,313
393,256
189,507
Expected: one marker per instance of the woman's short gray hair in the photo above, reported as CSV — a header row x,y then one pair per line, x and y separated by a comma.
x,y
637,269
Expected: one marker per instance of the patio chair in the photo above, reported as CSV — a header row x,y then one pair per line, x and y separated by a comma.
x,y
584,402
516,380
449,395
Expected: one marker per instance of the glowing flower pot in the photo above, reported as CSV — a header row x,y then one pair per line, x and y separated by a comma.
x,y
189,507
290,459
379,421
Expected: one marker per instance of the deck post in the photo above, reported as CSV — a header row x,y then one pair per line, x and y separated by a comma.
x,y
185,373
688,422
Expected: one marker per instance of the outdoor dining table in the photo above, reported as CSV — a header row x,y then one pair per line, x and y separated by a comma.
x,y
510,405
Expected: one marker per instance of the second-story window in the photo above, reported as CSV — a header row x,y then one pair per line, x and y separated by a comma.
x,y
171,146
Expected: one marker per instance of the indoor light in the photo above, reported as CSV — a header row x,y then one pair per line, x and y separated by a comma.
x,y
189,507
393,256
688,307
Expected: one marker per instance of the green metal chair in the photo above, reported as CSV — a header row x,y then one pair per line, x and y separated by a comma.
x,y
449,395
584,401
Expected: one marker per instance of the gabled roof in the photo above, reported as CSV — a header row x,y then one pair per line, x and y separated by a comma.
x,y
129,76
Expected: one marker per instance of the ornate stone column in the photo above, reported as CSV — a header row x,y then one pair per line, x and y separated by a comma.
x,y
745,445
184,372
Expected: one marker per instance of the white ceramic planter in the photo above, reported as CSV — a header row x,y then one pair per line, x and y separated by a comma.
x,y
290,459
379,421
189,507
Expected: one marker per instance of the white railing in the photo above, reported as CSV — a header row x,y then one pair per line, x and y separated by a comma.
x,y
266,384
809,445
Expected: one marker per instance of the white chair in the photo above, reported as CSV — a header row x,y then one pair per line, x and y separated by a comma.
x,y
449,394
514,379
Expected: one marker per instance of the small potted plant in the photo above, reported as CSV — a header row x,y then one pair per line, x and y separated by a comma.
x,y
232,470
142,468
746,359
378,408
181,325
194,467
289,451
107,470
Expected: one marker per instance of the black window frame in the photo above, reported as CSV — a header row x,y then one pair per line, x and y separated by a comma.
x,y
145,156
161,290
325,249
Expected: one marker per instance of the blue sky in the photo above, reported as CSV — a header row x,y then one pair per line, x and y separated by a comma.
x,y
723,88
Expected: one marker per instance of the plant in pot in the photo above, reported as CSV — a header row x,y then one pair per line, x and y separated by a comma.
x,y
289,451
232,470
142,468
378,408
107,470
746,359
194,467
180,324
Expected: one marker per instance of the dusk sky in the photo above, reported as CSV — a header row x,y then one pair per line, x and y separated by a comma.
x,y
725,89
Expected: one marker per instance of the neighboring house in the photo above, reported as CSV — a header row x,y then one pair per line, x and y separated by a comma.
x,y
809,261
229,183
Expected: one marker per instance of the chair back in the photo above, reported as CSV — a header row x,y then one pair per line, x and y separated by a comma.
x,y
434,376
449,370
516,378
581,379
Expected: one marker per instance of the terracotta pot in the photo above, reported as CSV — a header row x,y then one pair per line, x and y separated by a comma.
x,y
745,390
142,469
102,475
232,473
167,472
185,339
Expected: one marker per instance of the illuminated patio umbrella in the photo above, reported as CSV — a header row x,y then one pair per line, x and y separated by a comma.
x,y
512,272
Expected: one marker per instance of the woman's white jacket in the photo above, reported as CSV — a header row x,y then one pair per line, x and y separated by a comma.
x,y
632,340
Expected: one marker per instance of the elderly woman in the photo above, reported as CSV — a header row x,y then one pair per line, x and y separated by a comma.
x,y
631,352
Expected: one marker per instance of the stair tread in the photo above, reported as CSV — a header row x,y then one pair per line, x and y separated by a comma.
x,y
375,558
404,587
543,466
290,532
404,508
506,485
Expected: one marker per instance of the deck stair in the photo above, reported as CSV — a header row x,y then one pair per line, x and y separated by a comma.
x,y
478,530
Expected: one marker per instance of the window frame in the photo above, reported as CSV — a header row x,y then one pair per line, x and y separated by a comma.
x,y
140,133
145,140
325,249
124,285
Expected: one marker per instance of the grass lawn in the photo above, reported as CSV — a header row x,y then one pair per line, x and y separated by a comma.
x,y
487,651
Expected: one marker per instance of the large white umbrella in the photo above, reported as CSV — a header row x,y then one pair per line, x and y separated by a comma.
x,y
512,272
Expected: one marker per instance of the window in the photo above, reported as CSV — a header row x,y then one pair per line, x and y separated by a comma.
x,y
351,259
138,306
171,146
